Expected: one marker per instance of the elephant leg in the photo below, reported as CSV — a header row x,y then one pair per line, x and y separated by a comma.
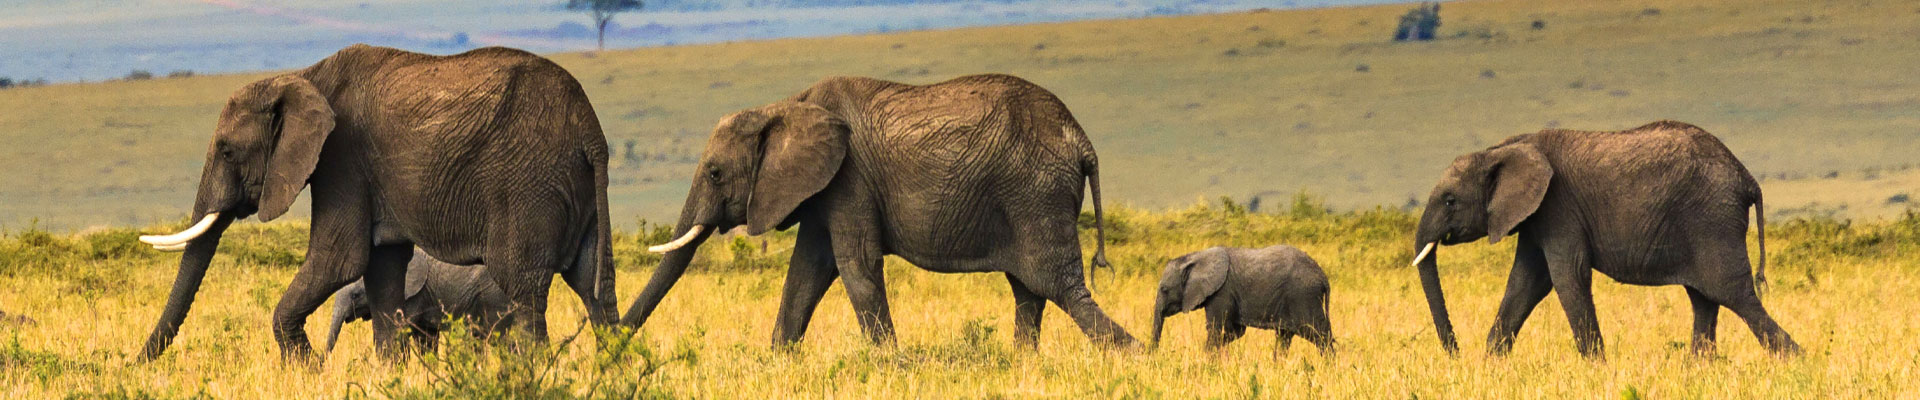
x,y
1282,342
1706,319
1735,291
812,271
1027,310
595,294
1234,332
1526,286
1219,324
386,278
332,263
1050,266
526,284
862,272
1573,280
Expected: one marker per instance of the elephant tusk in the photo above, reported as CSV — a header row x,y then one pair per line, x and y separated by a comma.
x,y
165,243
1423,254
171,247
677,243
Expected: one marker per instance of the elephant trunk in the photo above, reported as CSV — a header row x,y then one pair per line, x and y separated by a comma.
x,y
673,264
1159,321
333,331
216,204
1437,301
343,305
1427,241
186,285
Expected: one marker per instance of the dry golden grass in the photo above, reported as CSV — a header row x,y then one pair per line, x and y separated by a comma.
x,y
1842,289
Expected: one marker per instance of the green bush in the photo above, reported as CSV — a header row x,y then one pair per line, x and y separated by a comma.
x,y
466,368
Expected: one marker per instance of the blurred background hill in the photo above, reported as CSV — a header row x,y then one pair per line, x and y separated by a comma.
x,y
1817,97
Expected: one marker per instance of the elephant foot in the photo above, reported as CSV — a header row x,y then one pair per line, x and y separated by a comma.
x,y
1786,348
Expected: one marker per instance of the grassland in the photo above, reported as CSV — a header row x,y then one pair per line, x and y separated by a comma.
x,y
1249,104
1842,289
1814,95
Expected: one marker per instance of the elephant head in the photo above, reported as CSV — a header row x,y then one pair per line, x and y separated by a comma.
x,y
265,146
1187,283
759,166
1483,194
349,304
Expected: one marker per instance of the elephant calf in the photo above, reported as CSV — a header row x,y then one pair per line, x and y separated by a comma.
x,y
1277,288
435,291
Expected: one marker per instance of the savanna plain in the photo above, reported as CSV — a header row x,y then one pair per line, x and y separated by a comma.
x,y
1335,129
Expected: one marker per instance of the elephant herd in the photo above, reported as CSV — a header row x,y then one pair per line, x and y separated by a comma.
x,y
423,167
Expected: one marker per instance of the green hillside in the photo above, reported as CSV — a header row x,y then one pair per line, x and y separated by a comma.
x,y
1817,96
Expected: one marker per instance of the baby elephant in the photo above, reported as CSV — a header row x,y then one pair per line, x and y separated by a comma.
x,y
435,291
1277,288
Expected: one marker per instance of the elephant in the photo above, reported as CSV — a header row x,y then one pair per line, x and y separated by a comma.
x,y
1277,287
490,156
980,173
436,291
1661,204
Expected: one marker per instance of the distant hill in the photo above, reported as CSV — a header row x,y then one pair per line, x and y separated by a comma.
x,y
1817,99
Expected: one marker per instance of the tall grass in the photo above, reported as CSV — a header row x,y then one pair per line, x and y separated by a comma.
x,y
1843,288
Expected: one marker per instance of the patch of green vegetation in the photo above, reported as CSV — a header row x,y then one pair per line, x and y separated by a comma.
x,y
17,360
470,367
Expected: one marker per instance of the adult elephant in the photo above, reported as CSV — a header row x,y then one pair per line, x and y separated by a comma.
x,y
493,155
1661,204
976,174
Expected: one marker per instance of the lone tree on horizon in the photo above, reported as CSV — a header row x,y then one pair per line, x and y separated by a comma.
x,y
602,12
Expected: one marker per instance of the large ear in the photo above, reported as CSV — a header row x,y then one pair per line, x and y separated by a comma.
x,y
1206,274
801,152
305,121
1519,176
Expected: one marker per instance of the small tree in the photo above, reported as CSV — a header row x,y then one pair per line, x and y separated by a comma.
x,y
602,12
1420,23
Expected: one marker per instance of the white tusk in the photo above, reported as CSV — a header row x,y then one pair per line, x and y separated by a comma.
x,y
184,236
171,247
1423,253
676,243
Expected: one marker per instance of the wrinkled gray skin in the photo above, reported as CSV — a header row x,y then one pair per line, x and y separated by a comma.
x,y
1278,288
976,174
436,291
1661,204
491,156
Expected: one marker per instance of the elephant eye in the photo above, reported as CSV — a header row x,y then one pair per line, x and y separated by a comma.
x,y
713,174
1450,201
226,151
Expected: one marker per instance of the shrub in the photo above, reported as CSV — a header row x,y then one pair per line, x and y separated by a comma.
x,y
42,366
1419,23
180,73
623,368
139,75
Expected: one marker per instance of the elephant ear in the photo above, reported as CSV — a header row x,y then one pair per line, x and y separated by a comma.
x,y
305,121
1519,176
802,149
1206,274
417,279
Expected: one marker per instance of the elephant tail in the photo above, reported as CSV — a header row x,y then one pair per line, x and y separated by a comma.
x,y
605,309
1090,166
1760,222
